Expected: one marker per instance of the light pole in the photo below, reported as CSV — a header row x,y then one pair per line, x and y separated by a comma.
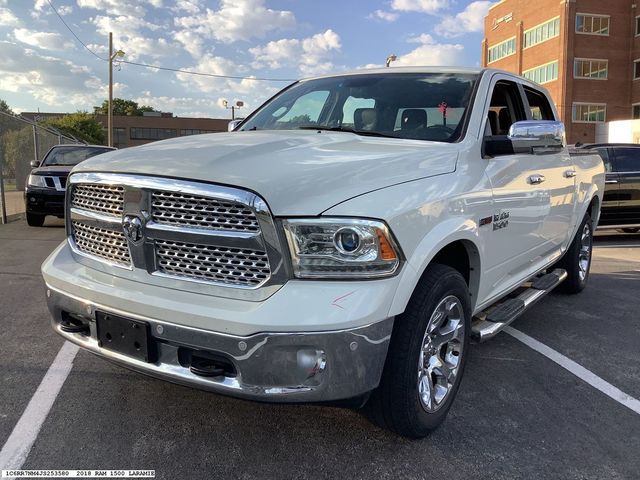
x,y
112,56
239,104
391,58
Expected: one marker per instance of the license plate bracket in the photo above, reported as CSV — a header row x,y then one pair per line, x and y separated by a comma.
x,y
125,336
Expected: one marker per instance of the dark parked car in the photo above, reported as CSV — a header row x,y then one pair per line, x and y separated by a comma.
x,y
44,192
621,200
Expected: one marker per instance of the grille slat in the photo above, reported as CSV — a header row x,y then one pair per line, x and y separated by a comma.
x,y
110,245
174,208
224,265
234,266
105,199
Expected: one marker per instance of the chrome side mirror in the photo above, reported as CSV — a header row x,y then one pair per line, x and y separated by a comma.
x,y
537,136
34,163
234,123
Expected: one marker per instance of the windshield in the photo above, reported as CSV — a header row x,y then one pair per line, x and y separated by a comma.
x,y
69,156
421,106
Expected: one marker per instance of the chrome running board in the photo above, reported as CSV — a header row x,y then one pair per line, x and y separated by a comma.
x,y
488,323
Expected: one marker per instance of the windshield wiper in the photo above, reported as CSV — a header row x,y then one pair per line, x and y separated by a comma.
x,y
368,133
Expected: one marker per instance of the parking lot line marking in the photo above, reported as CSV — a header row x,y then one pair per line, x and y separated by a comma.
x,y
578,370
24,434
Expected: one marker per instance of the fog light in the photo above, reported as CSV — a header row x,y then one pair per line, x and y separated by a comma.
x,y
32,199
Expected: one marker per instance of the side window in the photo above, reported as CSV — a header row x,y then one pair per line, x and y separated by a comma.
x,y
538,105
505,109
604,153
353,105
627,159
305,110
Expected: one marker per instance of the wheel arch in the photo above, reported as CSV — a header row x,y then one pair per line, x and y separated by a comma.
x,y
460,253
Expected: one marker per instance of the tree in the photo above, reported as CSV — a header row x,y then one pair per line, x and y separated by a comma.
x,y
4,107
123,107
81,125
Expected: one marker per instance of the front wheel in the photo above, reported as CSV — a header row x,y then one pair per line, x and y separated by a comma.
x,y
577,259
34,220
426,356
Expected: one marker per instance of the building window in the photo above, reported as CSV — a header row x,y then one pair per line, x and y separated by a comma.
x,y
637,26
636,69
152,133
635,112
543,74
542,33
193,131
503,49
590,68
592,24
589,112
119,137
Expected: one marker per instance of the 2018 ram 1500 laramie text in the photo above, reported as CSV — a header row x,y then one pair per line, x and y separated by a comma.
x,y
345,242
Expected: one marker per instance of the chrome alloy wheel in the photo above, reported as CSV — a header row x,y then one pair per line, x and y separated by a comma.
x,y
441,353
584,256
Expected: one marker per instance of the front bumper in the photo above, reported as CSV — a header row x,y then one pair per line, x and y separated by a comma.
x,y
44,201
276,367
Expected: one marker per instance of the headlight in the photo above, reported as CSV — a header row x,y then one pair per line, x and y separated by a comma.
x,y
36,181
341,248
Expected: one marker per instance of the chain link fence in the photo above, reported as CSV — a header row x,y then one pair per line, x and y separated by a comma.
x,y
21,142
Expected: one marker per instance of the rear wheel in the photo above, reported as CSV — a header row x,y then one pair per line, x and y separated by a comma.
x,y
577,260
34,220
426,356
630,230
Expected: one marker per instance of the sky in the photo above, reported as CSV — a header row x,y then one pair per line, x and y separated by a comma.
x,y
43,67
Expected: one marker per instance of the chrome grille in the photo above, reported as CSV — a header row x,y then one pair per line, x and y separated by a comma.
x,y
108,244
175,208
98,198
232,266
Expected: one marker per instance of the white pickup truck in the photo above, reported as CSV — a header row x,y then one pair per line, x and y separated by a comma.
x,y
344,242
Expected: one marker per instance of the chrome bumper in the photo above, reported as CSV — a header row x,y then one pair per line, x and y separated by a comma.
x,y
273,367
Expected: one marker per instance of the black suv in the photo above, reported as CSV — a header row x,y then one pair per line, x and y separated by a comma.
x,y
44,192
621,202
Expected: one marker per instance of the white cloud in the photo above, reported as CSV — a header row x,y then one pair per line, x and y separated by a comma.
x,y
470,20
425,6
134,8
44,40
311,55
192,42
65,9
236,20
8,19
384,15
50,80
431,53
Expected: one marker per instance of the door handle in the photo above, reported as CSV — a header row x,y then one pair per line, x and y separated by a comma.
x,y
570,173
536,179
611,181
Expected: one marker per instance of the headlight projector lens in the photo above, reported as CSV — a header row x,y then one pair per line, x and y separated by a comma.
x,y
347,240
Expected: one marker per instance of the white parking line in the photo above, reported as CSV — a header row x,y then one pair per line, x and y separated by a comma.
x,y
24,434
578,370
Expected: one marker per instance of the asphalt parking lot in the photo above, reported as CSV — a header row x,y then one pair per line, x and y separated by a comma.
x,y
518,414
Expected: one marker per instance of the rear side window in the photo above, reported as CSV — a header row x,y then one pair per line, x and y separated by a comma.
x,y
627,159
539,105
604,153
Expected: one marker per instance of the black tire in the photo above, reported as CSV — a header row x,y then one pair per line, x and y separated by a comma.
x,y
577,278
630,230
396,404
34,220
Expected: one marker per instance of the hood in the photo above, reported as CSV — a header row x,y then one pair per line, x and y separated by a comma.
x,y
300,172
53,171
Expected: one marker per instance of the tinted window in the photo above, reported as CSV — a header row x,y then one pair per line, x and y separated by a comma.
x,y
627,159
68,156
506,108
431,106
539,105
604,153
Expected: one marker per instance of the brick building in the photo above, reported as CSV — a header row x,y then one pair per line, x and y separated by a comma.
x,y
585,52
129,131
